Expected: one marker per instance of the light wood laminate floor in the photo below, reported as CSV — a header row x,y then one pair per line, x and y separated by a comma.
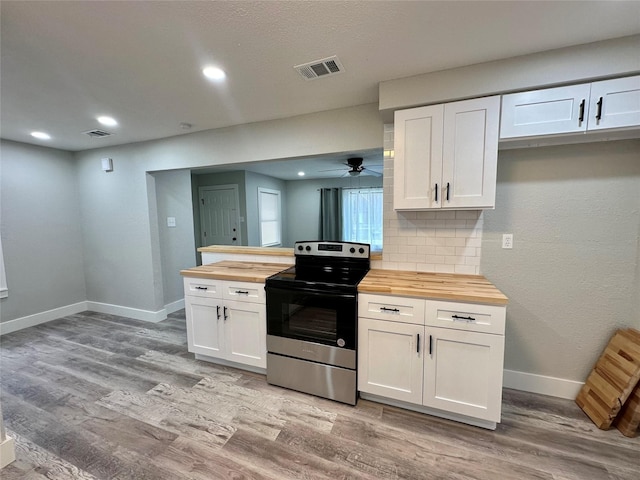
x,y
100,396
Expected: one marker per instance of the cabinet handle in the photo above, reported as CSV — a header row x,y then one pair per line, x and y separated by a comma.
x,y
581,117
448,191
218,311
225,314
599,113
201,288
436,193
430,344
418,343
385,309
469,319
242,292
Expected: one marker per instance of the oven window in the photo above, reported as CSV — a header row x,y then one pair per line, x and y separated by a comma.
x,y
315,323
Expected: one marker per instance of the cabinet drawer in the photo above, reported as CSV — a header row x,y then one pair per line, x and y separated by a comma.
x,y
398,309
466,316
243,291
202,287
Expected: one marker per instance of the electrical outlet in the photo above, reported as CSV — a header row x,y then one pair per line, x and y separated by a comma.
x,y
507,240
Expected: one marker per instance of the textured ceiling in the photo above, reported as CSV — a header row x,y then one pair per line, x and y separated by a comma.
x,y
64,63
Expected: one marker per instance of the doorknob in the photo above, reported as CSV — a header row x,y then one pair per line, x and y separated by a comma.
x,y
234,239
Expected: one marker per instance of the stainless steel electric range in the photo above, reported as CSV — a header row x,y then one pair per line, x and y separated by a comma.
x,y
312,317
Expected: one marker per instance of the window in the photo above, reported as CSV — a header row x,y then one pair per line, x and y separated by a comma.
x,y
362,216
269,217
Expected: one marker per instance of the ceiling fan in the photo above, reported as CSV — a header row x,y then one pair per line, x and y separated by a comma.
x,y
356,168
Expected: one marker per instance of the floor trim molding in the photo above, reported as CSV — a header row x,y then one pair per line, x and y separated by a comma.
x,y
7,451
135,313
42,317
530,382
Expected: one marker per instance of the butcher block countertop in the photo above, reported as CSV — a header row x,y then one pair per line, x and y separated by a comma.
x,y
238,271
284,252
435,286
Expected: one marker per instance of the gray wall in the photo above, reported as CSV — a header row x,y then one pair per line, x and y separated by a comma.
x,y
303,203
40,228
572,277
173,196
122,264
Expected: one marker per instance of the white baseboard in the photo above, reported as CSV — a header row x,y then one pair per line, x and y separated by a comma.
x,y
42,317
174,306
136,313
7,452
529,382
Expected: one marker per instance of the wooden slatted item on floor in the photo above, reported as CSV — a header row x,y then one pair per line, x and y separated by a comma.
x,y
628,419
612,380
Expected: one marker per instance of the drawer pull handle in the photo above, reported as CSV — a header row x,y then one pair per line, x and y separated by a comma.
x,y
201,288
468,319
599,113
218,311
385,309
581,117
242,292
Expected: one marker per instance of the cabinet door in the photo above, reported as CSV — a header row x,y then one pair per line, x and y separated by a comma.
x,y
463,372
545,112
204,328
470,155
245,335
615,103
417,165
390,359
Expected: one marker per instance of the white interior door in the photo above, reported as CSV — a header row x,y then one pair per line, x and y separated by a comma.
x,y
219,215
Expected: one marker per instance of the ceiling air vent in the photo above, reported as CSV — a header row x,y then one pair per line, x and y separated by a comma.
x,y
320,68
97,133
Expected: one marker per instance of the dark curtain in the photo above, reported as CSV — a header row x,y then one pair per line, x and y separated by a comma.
x,y
330,214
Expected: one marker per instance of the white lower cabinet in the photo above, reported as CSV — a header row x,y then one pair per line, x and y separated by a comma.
x,y
221,325
463,372
454,371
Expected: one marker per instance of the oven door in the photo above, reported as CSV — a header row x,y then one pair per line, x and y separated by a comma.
x,y
314,316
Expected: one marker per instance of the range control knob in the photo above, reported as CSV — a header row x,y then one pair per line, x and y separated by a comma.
x,y
361,250
308,248
352,250
300,247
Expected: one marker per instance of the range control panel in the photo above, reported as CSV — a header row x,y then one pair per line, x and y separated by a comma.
x,y
332,249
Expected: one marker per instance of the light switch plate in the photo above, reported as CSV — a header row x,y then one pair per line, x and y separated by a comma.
x,y
171,221
507,240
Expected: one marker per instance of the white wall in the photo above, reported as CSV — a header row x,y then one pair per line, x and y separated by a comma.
x,y
40,228
572,275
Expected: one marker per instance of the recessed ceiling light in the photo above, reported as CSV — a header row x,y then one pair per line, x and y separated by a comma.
x,y
41,135
214,73
301,174
110,122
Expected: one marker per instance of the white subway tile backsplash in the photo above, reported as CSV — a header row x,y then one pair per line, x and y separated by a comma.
x,y
447,241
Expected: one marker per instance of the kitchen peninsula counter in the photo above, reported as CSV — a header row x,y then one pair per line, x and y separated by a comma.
x,y
268,251
434,286
237,271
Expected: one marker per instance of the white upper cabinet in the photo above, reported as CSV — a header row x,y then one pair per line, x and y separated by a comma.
x,y
417,168
615,103
545,112
446,155
581,108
